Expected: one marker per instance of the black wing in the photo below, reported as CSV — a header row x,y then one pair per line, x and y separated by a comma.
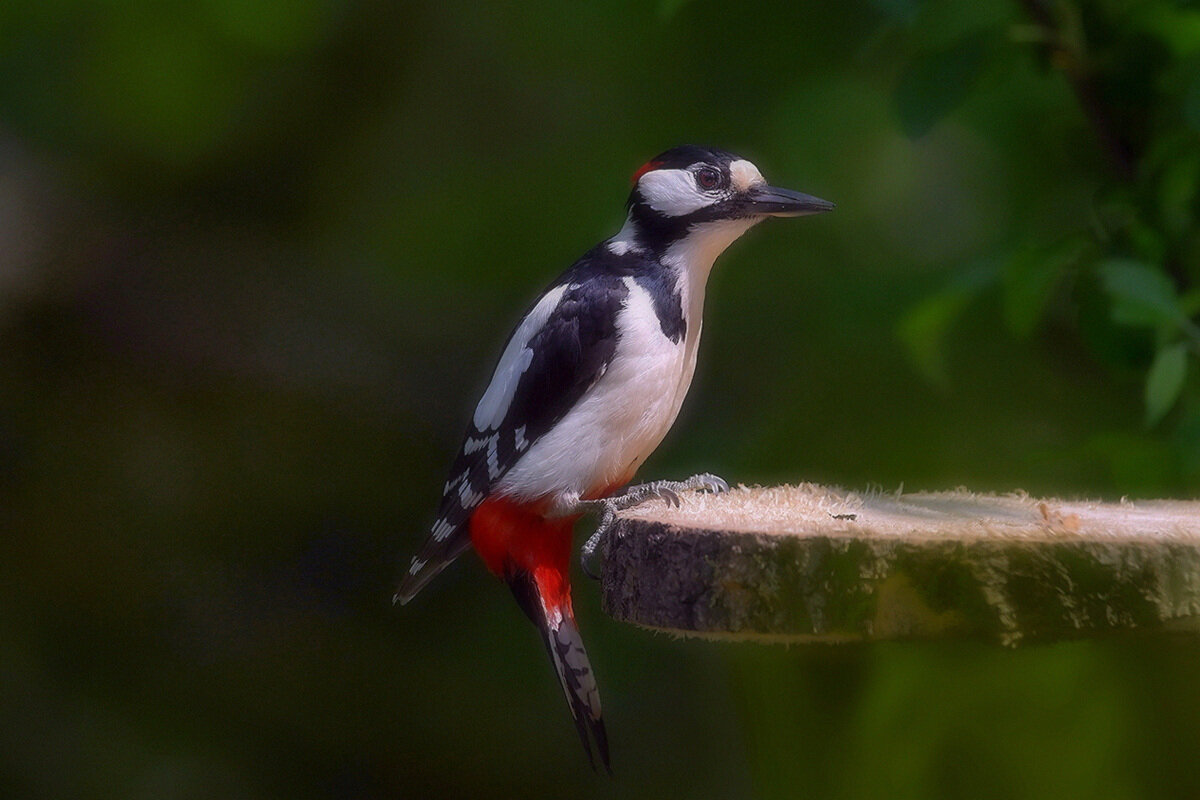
x,y
566,355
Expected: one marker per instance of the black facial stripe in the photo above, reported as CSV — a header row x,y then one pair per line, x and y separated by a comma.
x,y
657,231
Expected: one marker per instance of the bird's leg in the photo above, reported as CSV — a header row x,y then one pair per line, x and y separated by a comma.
x,y
631,496
608,515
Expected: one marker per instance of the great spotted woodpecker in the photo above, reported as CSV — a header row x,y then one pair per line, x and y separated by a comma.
x,y
586,388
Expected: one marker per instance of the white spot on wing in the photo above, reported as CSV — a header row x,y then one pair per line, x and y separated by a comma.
x,y
519,439
450,484
417,564
442,530
472,444
625,413
621,417
513,363
467,496
493,460
673,192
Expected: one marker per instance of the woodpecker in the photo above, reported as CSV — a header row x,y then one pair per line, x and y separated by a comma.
x,y
585,389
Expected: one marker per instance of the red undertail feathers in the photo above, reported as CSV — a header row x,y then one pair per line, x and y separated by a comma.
x,y
531,553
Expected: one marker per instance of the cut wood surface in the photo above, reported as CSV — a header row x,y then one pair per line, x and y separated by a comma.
x,y
812,563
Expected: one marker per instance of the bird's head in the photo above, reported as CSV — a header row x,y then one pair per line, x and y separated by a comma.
x,y
700,190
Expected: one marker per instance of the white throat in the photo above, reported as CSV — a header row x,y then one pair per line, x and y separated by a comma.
x,y
693,257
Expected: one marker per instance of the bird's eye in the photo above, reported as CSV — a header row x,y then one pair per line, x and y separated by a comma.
x,y
708,178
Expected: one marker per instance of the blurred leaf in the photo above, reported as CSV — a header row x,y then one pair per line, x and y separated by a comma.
x,y
1164,381
1177,191
1187,440
1117,346
1189,302
273,27
1115,210
1029,278
923,328
1191,102
669,8
166,92
903,11
1137,463
1174,24
1146,242
937,82
1142,295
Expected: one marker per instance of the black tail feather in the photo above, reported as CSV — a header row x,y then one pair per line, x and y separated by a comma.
x,y
561,636
434,557
579,685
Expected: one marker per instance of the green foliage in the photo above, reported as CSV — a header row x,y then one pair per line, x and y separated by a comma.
x,y
1164,381
935,83
925,326
256,258
1134,76
1029,278
1142,295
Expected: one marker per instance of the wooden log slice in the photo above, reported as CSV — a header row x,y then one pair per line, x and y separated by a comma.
x,y
810,563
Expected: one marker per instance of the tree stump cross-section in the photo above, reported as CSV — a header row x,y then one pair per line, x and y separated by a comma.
x,y
809,563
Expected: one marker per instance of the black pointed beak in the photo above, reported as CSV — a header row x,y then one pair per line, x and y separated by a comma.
x,y
772,201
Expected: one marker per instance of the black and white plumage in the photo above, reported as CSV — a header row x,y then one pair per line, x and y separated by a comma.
x,y
592,378
561,348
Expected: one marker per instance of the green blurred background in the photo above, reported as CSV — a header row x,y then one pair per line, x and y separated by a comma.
x,y
256,259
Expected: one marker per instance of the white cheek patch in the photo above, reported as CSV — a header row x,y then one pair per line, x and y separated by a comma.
x,y
493,406
672,192
743,175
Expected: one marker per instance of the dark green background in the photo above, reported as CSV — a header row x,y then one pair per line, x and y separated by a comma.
x,y
256,259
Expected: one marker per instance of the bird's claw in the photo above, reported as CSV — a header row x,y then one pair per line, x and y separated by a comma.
x,y
707,482
667,491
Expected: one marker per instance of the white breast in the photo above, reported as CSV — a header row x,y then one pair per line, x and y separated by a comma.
x,y
619,422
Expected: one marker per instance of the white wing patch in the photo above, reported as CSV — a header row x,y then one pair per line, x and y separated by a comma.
x,y
472,444
619,420
513,363
493,460
519,440
442,530
673,192
467,496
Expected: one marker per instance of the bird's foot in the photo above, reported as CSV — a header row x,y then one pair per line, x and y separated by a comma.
x,y
608,507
